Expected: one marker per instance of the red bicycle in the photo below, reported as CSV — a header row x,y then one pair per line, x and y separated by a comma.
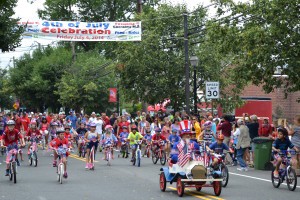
x,y
159,152
147,148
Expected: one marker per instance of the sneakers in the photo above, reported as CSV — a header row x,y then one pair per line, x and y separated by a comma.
x,y
7,172
87,165
65,175
243,169
54,163
276,174
91,166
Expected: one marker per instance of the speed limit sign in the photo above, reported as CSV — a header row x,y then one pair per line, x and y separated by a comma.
x,y
212,90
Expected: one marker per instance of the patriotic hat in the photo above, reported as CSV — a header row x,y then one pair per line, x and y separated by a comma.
x,y
185,127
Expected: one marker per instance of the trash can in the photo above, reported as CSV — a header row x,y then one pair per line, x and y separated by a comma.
x,y
262,152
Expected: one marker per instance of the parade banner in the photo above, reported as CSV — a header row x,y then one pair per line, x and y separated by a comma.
x,y
83,31
112,95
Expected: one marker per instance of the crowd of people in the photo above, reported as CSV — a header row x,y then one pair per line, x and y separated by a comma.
x,y
227,133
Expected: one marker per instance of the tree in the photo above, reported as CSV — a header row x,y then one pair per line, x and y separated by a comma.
x,y
10,33
5,93
153,69
261,38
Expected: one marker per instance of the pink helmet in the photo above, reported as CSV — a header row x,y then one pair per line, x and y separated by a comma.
x,y
207,124
108,127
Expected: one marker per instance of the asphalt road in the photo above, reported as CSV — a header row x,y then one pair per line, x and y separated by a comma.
x,y
124,181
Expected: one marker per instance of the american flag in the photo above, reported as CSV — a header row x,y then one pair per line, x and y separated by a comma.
x,y
184,156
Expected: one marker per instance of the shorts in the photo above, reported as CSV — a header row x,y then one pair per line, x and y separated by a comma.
x,y
134,146
91,144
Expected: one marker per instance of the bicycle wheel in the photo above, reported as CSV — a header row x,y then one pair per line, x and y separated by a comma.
x,y
139,158
10,172
14,171
61,172
291,179
58,173
275,181
108,158
35,159
31,160
163,158
225,175
154,158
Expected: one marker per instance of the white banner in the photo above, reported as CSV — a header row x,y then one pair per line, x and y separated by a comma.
x,y
84,31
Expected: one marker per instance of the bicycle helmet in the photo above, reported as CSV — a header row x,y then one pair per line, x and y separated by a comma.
x,y
108,127
207,124
133,127
60,130
124,127
157,130
54,124
11,122
93,124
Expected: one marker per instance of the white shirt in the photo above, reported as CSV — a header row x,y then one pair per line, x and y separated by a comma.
x,y
92,119
99,124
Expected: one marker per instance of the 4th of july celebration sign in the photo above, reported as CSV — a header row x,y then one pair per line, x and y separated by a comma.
x,y
83,31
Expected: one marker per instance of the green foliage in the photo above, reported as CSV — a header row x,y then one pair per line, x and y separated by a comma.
x,y
10,33
6,100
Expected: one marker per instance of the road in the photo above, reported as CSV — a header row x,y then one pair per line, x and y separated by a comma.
x,y
124,181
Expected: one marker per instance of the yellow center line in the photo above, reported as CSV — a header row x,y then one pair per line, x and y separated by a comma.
x,y
201,196
79,158
210,196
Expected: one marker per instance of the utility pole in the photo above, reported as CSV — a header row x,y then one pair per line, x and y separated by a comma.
x,y
186,64
139,6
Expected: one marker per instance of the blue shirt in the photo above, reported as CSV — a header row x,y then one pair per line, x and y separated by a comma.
x,y
73,119
123,136
173,138
283,145
148,137
218,148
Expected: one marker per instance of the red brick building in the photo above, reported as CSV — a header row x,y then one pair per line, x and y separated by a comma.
x,y
282,107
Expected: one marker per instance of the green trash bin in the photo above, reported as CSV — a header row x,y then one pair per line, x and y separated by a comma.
x,y
262,151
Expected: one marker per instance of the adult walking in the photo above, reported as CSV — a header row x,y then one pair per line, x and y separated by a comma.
x,y
243,143
294,131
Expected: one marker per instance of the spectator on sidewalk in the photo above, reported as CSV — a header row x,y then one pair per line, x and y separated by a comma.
x,y
266,129
253,127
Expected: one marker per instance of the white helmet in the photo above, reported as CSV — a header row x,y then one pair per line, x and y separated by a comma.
x,y
11,122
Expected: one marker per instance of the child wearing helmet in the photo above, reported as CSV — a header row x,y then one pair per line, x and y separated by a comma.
x,y
60,145
92,139
44,126
156,138
174,137
147,137
32,135
10,138
133,136
217,147
123,139
282,143
109,139
207,134
52,129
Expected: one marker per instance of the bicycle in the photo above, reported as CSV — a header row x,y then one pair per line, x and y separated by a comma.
x,y
107,150
124,150
82,149
285,171
60,169
148,149
138,153
12,163
221,168
33,155
159,153
43,140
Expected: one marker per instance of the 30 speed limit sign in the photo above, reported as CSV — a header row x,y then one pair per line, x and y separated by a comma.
x,y
212,90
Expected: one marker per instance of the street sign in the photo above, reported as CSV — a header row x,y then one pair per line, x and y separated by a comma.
x,y
212,90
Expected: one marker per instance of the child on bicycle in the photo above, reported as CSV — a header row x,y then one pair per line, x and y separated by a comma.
x,y
133,136
109,139
147,138
10,138
174,137
79,133
92,139
68,135
156,138
282,143
60,145
123,139
217,147
32,134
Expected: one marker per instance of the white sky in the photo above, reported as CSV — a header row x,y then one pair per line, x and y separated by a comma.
x,y
28,12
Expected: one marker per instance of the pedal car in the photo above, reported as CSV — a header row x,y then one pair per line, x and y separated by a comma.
x,y
195,174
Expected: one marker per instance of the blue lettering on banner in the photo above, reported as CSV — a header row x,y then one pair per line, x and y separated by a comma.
x,y
133,32
119,32
97,25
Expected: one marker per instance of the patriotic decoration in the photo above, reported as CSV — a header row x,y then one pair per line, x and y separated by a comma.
x,y
185,154
16,105
185,127
112,95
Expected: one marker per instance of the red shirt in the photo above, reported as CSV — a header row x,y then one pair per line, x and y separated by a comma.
x,y
11,137
68,136
49,119
25,122
121,124
265,130
155,137
55,143
226,128
18,123
106,121
33,133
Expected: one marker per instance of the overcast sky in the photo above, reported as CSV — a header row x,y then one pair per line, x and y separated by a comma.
x,y
28,12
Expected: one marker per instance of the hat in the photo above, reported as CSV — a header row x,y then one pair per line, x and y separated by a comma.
x,y
98,115
93,113
185,127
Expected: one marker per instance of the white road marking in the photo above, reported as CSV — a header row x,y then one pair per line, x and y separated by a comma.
x,y
261,179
